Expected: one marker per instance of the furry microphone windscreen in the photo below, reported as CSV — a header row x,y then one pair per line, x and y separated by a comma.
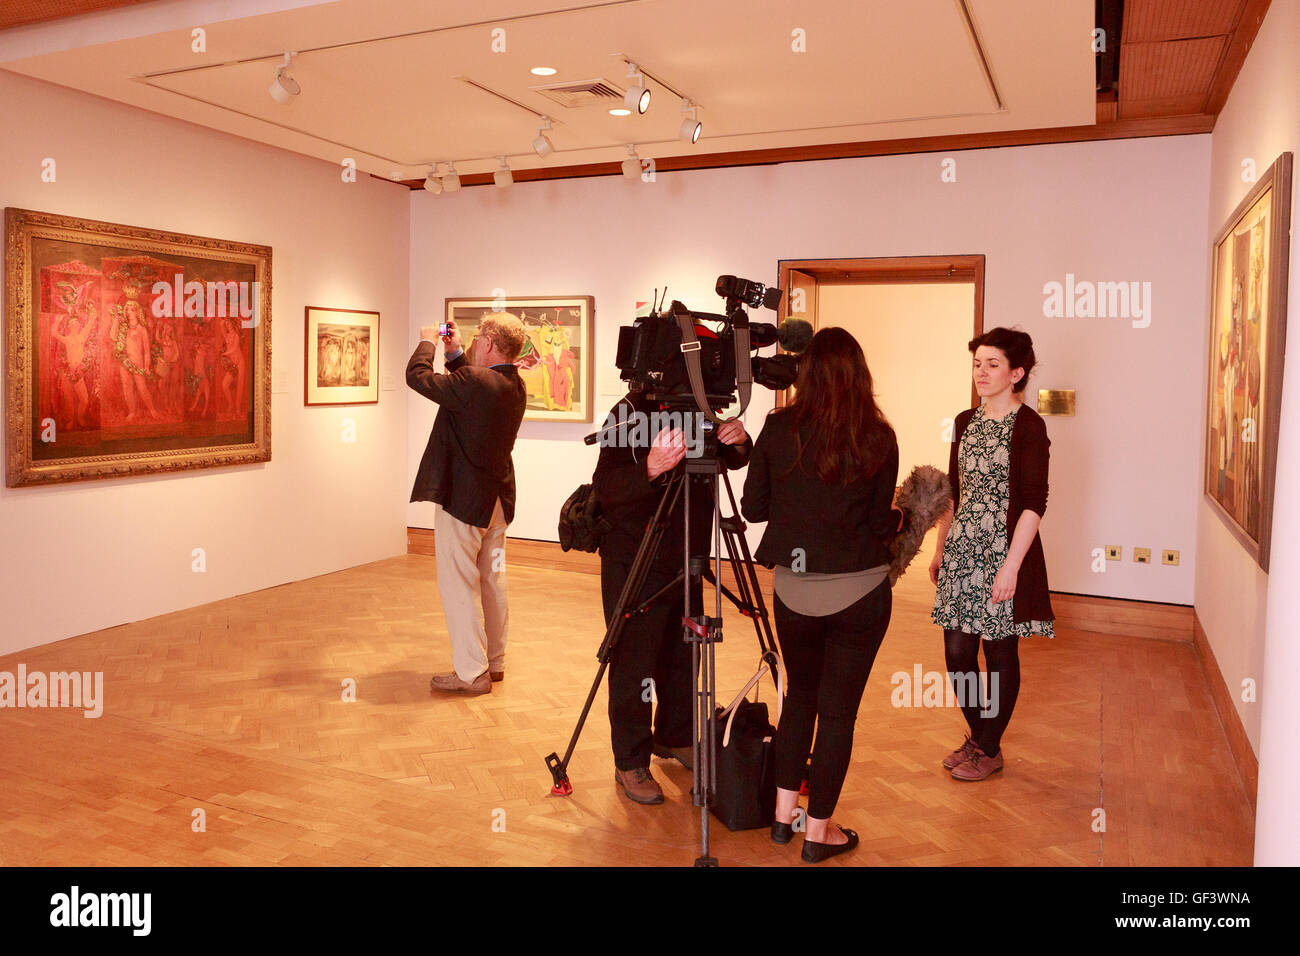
x,y
924,496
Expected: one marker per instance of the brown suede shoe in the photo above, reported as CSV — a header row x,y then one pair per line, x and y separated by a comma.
x,y
451,683
639,786
497,676
959,756
978,766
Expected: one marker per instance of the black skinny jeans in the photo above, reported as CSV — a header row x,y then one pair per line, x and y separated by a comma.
x,y
827,660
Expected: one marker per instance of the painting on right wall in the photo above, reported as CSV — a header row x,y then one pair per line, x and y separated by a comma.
x,y
1247,344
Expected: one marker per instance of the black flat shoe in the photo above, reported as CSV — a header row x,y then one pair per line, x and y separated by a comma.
x,y
817,852
782,833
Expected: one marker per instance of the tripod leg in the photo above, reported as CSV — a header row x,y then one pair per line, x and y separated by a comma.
x,y
645,555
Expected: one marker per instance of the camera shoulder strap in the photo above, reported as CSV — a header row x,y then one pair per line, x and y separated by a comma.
x,y
691,354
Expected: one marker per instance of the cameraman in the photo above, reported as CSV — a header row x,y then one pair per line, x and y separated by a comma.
x,y
629,483
467,471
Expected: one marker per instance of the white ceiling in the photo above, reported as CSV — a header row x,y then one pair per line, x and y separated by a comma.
x,y
382,79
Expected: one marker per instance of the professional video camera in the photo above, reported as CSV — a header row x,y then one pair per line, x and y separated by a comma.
x,y
658,353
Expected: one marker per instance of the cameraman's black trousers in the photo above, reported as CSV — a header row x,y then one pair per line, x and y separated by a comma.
x,y
650,649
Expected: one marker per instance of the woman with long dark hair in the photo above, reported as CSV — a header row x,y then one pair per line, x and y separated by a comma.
x,y
988,569
822,476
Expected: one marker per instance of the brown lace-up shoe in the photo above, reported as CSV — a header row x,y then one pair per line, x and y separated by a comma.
x,y
958,756
978,766
639,786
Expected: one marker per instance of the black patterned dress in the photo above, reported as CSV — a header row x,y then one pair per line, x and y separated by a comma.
x,y
977,542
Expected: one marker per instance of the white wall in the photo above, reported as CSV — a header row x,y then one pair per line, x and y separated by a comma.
x,y
1260,120
914,336
1124,470
84,556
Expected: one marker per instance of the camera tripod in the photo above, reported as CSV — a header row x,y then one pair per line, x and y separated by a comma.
x,y
701,631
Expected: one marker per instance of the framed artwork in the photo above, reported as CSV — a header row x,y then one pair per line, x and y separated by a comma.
x,y
557,361
342,357
1247,342
132,351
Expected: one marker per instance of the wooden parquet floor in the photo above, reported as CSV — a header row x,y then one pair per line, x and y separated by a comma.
x,y
236,708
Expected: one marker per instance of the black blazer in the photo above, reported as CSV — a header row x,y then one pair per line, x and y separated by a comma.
x,y
628,498
1027,489
839,527
466,465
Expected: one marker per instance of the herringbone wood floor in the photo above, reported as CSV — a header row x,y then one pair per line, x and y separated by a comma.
x,y
236,708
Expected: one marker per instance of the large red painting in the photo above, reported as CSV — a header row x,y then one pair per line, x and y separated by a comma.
x,y
133,351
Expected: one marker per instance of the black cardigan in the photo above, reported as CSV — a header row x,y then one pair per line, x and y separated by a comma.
x,y
839,527
1027,486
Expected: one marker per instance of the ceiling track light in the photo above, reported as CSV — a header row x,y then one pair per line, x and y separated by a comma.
x,y
542,145
451,181
432,182
637,96
284,87
632,165
503,177
691,126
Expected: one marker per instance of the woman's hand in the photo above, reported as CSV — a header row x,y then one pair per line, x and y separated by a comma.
x,y
935,564
1004,585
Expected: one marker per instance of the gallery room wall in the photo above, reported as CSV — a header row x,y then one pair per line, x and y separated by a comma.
x,y
79,557
1260,121
1124,470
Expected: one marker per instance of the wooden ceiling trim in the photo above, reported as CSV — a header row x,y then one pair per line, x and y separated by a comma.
x,y
1243,36
1120,129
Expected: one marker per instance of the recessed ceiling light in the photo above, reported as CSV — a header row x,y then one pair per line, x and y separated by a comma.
x,y
543,71
620,112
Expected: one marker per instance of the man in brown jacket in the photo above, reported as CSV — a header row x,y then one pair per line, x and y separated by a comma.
x,y
468,472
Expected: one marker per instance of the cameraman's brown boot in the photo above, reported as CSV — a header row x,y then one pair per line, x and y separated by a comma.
x,y
639,786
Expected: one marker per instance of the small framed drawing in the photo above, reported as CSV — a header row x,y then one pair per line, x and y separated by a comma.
x,y
556,363
1247,344
342,357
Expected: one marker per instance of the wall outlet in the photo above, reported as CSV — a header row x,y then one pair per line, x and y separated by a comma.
x,y
1114,552
1168,557
1141,555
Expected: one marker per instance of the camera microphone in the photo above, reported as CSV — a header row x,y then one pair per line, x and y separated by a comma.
x,y
794,335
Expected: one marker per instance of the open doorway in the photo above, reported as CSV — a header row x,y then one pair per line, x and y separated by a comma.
x,y
913,317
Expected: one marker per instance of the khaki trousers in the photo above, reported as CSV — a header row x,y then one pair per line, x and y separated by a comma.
x,y
471,571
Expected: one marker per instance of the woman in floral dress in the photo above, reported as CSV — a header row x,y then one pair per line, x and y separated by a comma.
x,y
988,567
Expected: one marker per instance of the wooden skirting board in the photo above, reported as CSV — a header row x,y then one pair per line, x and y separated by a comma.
x,y
1242,752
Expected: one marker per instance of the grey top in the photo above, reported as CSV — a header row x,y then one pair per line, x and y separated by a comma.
x,y
817,595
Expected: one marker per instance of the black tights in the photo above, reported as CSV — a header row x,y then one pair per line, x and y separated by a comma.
x,y
988,718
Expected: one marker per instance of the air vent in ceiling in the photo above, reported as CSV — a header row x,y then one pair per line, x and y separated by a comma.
x,y
576,95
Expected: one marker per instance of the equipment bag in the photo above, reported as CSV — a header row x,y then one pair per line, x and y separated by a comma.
x,y
581,525
745,798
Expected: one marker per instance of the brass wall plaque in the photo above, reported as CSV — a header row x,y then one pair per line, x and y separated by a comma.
x,y
1056,401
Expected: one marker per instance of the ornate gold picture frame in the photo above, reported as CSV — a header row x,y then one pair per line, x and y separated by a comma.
x,y
132,351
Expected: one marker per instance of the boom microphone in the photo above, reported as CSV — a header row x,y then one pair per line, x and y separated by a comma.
x,y
794,335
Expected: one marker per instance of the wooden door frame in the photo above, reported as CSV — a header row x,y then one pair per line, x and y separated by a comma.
x,y
894,270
